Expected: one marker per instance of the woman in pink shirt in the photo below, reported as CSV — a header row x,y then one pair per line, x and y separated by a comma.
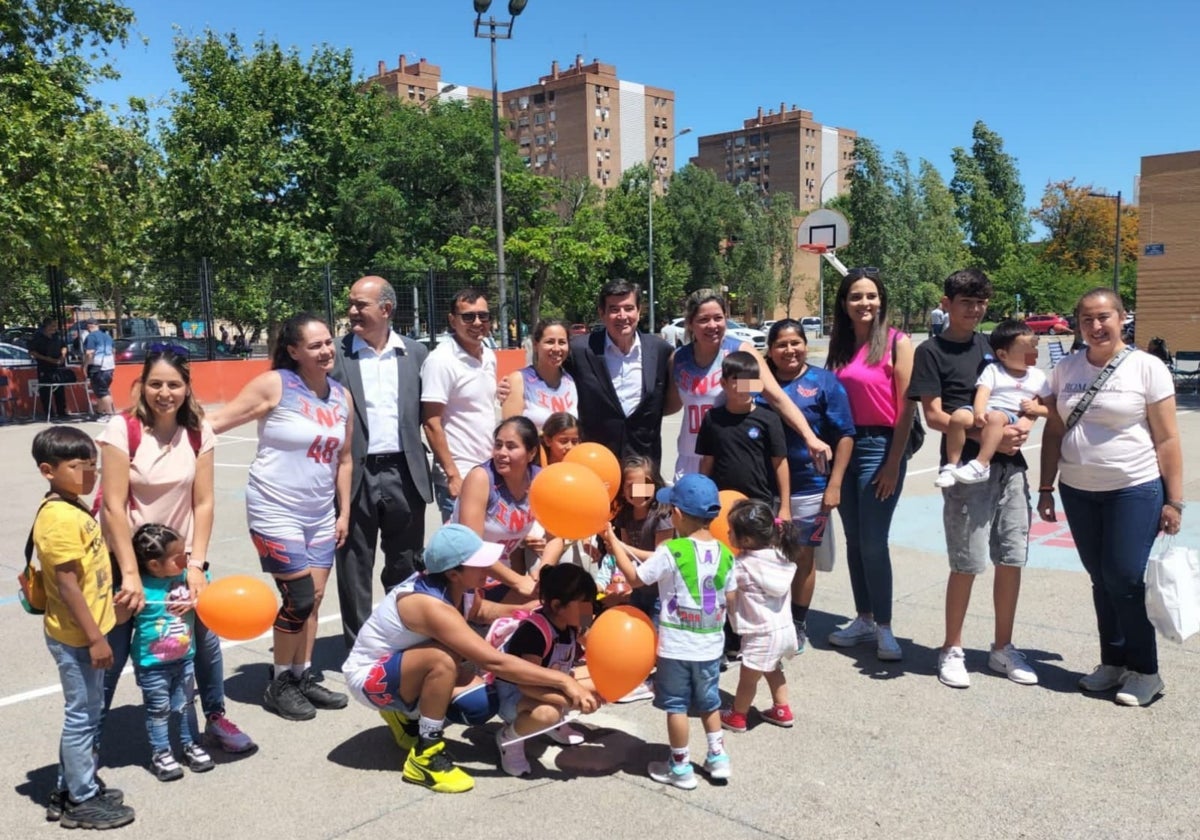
x,y
874,364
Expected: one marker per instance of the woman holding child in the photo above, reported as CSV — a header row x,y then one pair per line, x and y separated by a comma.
x,y
1113,442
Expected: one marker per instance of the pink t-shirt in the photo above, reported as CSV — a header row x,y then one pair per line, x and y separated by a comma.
x,y
160,478
871,388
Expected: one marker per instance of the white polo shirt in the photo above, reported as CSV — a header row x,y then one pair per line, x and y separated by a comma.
x,y
466,386
625,369
381,390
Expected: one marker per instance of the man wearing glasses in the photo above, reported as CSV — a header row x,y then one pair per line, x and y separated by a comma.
x,y
390,484
458,397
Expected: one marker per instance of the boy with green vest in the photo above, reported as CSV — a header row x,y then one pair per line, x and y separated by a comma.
x,y
693,573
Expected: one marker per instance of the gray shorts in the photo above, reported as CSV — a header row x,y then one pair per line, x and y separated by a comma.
x,y
990,519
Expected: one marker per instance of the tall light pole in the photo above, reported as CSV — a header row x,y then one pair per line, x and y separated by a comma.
x,y
493,29
652,172
1116,241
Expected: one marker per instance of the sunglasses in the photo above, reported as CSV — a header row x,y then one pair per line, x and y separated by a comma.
x,y
158,349
863,271
471,317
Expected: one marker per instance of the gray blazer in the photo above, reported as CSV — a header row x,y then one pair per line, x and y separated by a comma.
x,y
408,367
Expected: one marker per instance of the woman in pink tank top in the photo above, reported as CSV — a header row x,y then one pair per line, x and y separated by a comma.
x,y
874,364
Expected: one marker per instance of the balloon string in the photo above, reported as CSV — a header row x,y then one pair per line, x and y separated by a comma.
x,y
567,718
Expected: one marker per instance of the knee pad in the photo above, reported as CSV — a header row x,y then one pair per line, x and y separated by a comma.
x,y
474,706
298,601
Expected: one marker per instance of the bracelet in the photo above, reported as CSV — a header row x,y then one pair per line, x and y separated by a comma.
x,y
1049,489
202,565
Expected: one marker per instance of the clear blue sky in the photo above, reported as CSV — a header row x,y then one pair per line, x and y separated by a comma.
x,y
1077,88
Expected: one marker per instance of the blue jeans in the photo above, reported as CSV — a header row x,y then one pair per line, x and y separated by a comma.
x,y
167,689
209,667
1114,531
867,521
83,703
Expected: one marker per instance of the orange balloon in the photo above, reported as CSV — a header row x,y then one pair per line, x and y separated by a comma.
x,y
569,500
237,607
719,527
621,648
599,459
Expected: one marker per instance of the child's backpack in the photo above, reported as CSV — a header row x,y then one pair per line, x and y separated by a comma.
x,y
133,427
502,630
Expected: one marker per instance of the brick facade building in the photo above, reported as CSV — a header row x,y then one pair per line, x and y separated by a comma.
x,y
1168,292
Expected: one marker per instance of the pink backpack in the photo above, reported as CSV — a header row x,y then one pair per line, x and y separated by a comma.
x,y
133,428
503,628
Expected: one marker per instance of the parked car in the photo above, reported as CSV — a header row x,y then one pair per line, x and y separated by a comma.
x,y
133,350
12,356
1048,324
18,335
812,325
739,330
579,329
674,333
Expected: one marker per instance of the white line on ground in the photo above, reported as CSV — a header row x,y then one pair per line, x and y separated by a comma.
x,y
1029,448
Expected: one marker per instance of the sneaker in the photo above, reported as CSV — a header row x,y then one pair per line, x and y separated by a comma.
x,y
857,631
887,648
681,776
972,472
58,799
513,760
1139,689
320,696
801,635
733,721
404,729
779,715
97,812
1008,660
945,477
165,767
1103,678
221,732
429,765
952,668
716,765
567,735
284,697
197,759
644,691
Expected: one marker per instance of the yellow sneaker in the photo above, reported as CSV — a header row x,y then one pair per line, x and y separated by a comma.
x,y
433,769
404,729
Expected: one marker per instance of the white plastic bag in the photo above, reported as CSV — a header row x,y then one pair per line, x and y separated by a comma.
x,y
1173,591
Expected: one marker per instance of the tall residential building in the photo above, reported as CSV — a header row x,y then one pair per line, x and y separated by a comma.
x,y
420,82
785,152
583,120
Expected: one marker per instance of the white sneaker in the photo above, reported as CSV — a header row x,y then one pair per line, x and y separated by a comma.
x,y
716,765
1103,678
1140,689
952,668
856,632
681,776
945,477
567,735
972,472
512,757
886,646
1010,661
643,691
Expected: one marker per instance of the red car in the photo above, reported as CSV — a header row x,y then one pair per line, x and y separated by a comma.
x,y
1048,324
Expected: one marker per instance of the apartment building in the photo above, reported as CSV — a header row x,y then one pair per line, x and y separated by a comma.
x,y
421,82
782,152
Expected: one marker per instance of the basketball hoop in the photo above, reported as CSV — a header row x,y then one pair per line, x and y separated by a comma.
x,y
814,248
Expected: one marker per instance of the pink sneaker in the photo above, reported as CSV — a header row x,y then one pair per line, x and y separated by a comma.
x,y
223,732
779,715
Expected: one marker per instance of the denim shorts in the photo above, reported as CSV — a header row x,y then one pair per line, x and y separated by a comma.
x,y
681,687
989,520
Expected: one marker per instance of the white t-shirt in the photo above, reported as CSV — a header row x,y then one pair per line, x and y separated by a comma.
x,y
691,624
1110,447
466,386
1009,391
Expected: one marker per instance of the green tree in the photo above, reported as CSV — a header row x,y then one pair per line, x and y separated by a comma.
x,y
870,208
706,214
1082,227
991,200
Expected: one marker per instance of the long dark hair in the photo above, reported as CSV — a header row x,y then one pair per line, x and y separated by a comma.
x,y
781,326
290,335
190,413
841,337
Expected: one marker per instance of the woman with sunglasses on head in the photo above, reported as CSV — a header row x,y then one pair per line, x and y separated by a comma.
x,y
874,364
157,466
543,388
303,466
696,375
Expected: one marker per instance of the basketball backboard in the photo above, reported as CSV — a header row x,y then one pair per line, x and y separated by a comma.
x,y
827,228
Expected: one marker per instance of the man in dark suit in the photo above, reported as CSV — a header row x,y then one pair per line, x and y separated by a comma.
x,y
391,483
622,376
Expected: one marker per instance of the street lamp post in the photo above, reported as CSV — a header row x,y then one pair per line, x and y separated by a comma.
x,y
1116,241
493,29
652,172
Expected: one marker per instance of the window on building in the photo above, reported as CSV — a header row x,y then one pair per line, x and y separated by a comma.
x,y
552,115
539,99
523,102
539,119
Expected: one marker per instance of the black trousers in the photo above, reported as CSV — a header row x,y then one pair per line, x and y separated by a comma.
x,y
389,510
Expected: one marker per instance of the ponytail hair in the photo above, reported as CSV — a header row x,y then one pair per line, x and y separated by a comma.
x,y
753,525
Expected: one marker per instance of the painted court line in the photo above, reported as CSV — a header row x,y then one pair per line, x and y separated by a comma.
x,y
1028,448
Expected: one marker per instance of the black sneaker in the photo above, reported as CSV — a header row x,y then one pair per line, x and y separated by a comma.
x,y
96,812
54,807
165,767
319,695
284,698
197,759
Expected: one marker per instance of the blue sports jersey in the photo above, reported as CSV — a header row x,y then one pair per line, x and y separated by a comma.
x,y
823,402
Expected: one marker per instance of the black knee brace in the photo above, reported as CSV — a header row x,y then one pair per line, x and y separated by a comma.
x,y
299,596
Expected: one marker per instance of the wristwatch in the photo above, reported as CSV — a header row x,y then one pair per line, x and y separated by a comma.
x,y
1179,506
